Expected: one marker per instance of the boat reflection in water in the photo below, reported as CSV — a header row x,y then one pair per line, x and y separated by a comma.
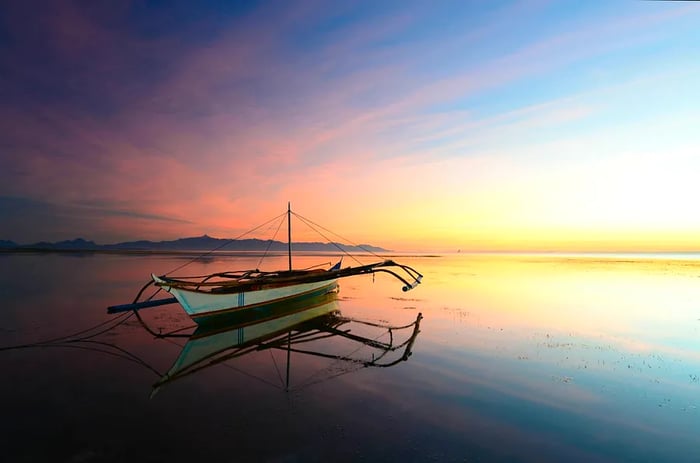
x,y
308,326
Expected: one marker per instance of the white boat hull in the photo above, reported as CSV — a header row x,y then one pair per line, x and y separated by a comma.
x,y
201,305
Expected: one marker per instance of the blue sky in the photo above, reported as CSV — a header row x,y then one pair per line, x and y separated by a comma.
x,y
498,125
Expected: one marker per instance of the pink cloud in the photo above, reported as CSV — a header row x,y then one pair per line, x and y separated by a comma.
x,y
240,125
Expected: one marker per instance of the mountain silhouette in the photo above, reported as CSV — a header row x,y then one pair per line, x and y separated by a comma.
x,y
198,243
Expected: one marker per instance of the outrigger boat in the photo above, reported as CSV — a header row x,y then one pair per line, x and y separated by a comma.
x,y
209,296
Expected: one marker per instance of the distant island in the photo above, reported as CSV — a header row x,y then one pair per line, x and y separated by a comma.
x,y
199,243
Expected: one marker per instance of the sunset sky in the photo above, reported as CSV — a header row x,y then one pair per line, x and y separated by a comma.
x,y
523,125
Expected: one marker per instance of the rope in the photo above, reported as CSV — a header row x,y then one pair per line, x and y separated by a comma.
x,y
119,318
279,374
104,330
226,243
126,354
342,238
309,224
327,378
145,326
269,243
128,357
70,341
250,375
362,364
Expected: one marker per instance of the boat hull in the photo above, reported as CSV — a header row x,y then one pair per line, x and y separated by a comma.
x,y
202,306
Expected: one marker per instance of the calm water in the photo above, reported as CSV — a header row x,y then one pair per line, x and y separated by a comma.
x,y
519,358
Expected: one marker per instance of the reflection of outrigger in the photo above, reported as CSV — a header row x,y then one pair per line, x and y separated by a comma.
x,y
287,327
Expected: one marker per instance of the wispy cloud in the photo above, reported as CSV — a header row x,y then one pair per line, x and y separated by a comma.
x,y
26,220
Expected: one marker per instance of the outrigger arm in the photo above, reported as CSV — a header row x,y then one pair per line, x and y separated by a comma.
x,y
379,267
254,278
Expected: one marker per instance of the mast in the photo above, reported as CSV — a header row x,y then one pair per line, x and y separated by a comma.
x,y
289,233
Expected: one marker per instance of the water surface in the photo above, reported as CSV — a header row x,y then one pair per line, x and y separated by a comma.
x,y
519,358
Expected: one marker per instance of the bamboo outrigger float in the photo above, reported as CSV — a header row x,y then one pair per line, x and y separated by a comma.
x,y
209,296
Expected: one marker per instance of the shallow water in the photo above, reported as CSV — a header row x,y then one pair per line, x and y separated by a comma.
x,y
519,358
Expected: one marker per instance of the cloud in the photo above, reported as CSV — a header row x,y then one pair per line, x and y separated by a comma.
x,y
26,220
210,120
